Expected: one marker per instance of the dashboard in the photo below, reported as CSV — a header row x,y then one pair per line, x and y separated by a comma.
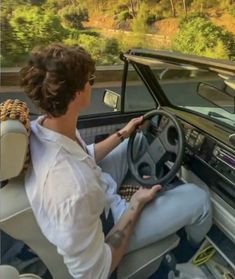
x,y
211,160
208,153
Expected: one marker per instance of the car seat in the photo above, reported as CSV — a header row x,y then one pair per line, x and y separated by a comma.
x,y
9,272
17,218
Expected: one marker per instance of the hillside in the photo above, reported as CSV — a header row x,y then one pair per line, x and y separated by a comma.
x,y
226,21
168,26
105,28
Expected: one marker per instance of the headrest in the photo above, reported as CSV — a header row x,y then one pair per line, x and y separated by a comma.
x,y
9,272
14,138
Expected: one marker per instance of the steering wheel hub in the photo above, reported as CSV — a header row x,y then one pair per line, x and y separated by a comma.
x,y
161,141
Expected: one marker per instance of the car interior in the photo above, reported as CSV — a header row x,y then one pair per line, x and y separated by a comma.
x,y
190,143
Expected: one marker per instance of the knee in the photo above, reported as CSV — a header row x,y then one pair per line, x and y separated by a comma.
x,y
199,196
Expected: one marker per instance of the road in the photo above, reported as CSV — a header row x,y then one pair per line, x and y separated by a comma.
x,y
179,93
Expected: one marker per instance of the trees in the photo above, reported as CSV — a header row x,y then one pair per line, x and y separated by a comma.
x,y
11,48
202,5
199,36
104,51
26,23
139,22
184,6
32,26
173,8
72,16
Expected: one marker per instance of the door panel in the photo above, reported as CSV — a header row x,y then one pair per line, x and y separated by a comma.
x,y
93,129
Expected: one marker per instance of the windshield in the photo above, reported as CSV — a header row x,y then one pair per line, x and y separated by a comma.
x,y
180,86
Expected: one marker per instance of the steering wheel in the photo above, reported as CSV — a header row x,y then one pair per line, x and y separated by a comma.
x,y
159,144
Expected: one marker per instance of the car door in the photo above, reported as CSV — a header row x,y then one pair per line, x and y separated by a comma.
x,y
99,120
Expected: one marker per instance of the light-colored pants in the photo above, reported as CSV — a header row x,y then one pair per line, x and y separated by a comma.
x,y
186,206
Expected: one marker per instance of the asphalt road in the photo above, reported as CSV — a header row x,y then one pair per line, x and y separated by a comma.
x,y
179,93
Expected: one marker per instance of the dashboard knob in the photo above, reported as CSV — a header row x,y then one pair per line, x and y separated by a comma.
x,y
232,139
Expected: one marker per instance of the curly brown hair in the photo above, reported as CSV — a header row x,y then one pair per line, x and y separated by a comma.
x,y
54,74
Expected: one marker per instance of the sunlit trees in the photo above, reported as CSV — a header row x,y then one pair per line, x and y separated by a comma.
x,y
199,36
34,27
26,23
104,51
72,16
173,8
139,22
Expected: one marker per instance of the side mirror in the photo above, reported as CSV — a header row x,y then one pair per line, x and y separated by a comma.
x,y
112,99
217,97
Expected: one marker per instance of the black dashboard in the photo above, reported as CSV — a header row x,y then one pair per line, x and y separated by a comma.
x,y
211,160
209,153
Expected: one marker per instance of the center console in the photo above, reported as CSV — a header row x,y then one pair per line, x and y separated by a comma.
x,y
211,161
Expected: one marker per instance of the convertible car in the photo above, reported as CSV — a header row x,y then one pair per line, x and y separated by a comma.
x,y
188,103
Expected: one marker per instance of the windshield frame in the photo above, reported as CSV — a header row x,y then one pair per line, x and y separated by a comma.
x,y
220,68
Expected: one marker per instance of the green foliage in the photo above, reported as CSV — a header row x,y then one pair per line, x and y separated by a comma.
x,y
164,8
92,44
27,23
133,40
220,50
139,23
232,10
51,5
151,18
110,52
120,8
11,48
124,15
201,5
104,51
201,37
32,27
37,2
72,16
225,4
111,46
189,18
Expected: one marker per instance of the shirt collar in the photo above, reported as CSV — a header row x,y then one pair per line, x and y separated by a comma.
x,y
63,141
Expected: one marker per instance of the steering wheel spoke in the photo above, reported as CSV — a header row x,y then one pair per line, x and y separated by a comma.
x,y
140,148
171,147
146,166
162,138
160,166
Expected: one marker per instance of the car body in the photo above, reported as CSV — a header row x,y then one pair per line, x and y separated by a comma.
x,y
200,92
182,85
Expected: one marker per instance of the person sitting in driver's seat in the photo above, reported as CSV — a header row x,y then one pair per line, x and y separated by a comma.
x,y
70,185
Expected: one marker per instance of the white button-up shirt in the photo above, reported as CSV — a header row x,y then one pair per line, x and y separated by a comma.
x,y
68,192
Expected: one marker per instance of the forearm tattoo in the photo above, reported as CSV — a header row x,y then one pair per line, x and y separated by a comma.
x,y
132,207
115,239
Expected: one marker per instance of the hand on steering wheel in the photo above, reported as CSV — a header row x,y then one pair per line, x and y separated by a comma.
x,y
158,143
131,126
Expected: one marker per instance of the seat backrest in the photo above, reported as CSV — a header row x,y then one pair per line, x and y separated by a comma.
x,y
14,128
16,216
17,220
9,272
13,148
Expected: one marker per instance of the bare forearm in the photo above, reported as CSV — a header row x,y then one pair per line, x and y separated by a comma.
x,y
118,238
104,147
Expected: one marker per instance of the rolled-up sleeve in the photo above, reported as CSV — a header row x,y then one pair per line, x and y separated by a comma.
x,y
91,149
